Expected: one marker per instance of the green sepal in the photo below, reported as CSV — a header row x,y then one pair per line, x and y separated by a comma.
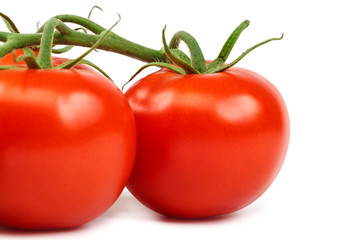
x,y
30,59
227,66
156,64
178,53
83,61
9,67
62,50
9,23
228,46
92,9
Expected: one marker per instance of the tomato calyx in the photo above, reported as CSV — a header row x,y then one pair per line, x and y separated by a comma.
x,y
40,57
197,63
179,62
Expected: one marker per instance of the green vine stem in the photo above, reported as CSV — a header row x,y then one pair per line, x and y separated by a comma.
x,y
68,36
56,32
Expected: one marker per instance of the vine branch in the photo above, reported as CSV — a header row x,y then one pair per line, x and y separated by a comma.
x,y
56,32
67,36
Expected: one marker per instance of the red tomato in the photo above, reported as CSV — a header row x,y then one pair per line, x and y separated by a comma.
x,y
67,147
208,144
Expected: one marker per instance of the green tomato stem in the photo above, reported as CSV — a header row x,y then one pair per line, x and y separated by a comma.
x,y
189,69
67,36
71,63
197,58
56,32
14,41
46,43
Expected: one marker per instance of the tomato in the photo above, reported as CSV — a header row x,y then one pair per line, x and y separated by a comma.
x,y
208,144
67,147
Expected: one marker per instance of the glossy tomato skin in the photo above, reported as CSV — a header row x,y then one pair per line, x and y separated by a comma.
x,y
67,147
208,145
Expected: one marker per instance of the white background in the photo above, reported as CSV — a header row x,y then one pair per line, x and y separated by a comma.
x,y
316,68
